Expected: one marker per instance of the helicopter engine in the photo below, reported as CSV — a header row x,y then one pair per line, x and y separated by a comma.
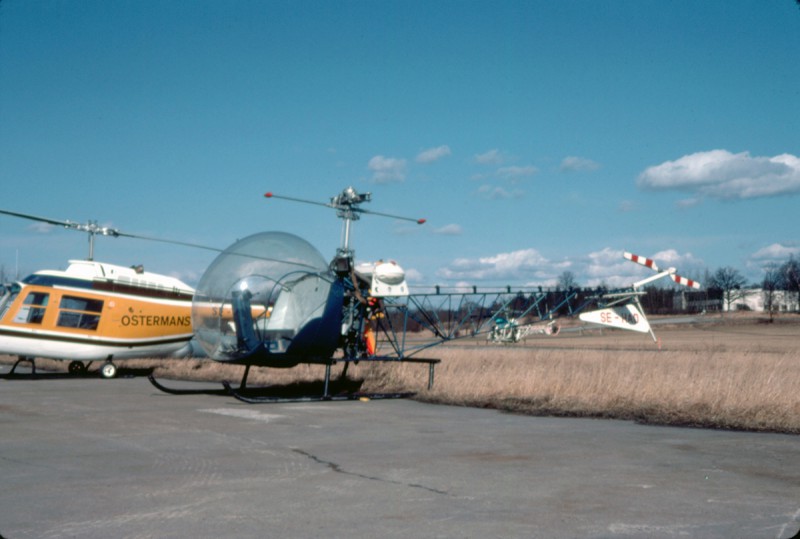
x,y
271,300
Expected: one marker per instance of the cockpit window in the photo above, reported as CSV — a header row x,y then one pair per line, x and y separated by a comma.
x,y
83,313
8,298
33,308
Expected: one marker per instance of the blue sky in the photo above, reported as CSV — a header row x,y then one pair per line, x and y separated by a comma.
x,y
535,137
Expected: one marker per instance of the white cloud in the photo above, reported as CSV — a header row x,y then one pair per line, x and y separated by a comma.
x,y
688,202
433,154
450,230
42,228
525,265
578,164
491,192
387,169
776,253
528,267
605,267
724,175
492,157
771,256
517,172
413,275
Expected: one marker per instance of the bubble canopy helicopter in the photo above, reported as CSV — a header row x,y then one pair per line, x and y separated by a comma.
x,y
272,300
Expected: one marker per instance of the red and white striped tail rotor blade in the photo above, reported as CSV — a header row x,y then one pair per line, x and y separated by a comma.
x,y
684,281
646,262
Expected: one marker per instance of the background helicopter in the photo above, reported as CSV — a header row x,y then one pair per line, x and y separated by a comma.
x,y
623,309
95,311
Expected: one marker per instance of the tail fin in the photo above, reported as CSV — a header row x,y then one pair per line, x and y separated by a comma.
x,y
627,316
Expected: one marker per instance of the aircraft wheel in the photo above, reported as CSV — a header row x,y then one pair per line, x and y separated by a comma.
x,y
76,368
108,370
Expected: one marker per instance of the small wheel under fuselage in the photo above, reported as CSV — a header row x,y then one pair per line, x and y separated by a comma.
x,y
76,367
108,370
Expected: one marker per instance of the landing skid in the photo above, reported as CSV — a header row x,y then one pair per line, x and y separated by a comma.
x,y
175,391
20,360
259,395
75,369
266,399
251,396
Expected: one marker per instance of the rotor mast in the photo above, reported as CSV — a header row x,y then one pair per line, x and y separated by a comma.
x,y
347,205
93,229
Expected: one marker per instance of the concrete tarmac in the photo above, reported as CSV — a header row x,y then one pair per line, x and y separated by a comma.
x,y
94,458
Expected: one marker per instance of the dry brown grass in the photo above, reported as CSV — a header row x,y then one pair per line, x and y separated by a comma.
x,y
732,373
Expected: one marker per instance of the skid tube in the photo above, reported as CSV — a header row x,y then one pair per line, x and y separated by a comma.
x,y
34,375
20,359
326,396
174,391
264,399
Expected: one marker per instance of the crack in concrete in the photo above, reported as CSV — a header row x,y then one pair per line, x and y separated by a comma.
x,y
338,469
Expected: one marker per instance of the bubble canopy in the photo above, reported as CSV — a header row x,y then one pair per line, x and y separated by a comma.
x,y
268,295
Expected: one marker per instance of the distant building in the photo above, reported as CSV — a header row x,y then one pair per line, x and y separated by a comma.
x,y
752,299
757,300
690,301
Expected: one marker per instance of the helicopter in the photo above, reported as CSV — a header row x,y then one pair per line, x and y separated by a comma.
x,y
272,300
95,311
623,309
510,331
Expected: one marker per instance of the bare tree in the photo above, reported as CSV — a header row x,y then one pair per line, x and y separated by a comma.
x,y
731,282
566,281
770,286
789,276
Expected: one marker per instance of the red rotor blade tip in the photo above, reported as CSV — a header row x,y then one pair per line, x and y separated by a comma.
x,y
268,194
421,221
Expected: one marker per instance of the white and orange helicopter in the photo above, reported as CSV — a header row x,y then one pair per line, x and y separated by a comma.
x,y
95,311
272,300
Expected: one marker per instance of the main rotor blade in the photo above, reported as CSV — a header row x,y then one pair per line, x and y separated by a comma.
x,y
685,281
352,208
173,242
67,224
105,231
644,261
418,221
270,194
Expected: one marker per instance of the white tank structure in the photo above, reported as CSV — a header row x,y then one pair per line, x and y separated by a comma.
x,y
386,279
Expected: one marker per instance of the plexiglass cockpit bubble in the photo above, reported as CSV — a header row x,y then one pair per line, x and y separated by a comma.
x,y
268,295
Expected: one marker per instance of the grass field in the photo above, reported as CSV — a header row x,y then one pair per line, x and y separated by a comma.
x,y
736,372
